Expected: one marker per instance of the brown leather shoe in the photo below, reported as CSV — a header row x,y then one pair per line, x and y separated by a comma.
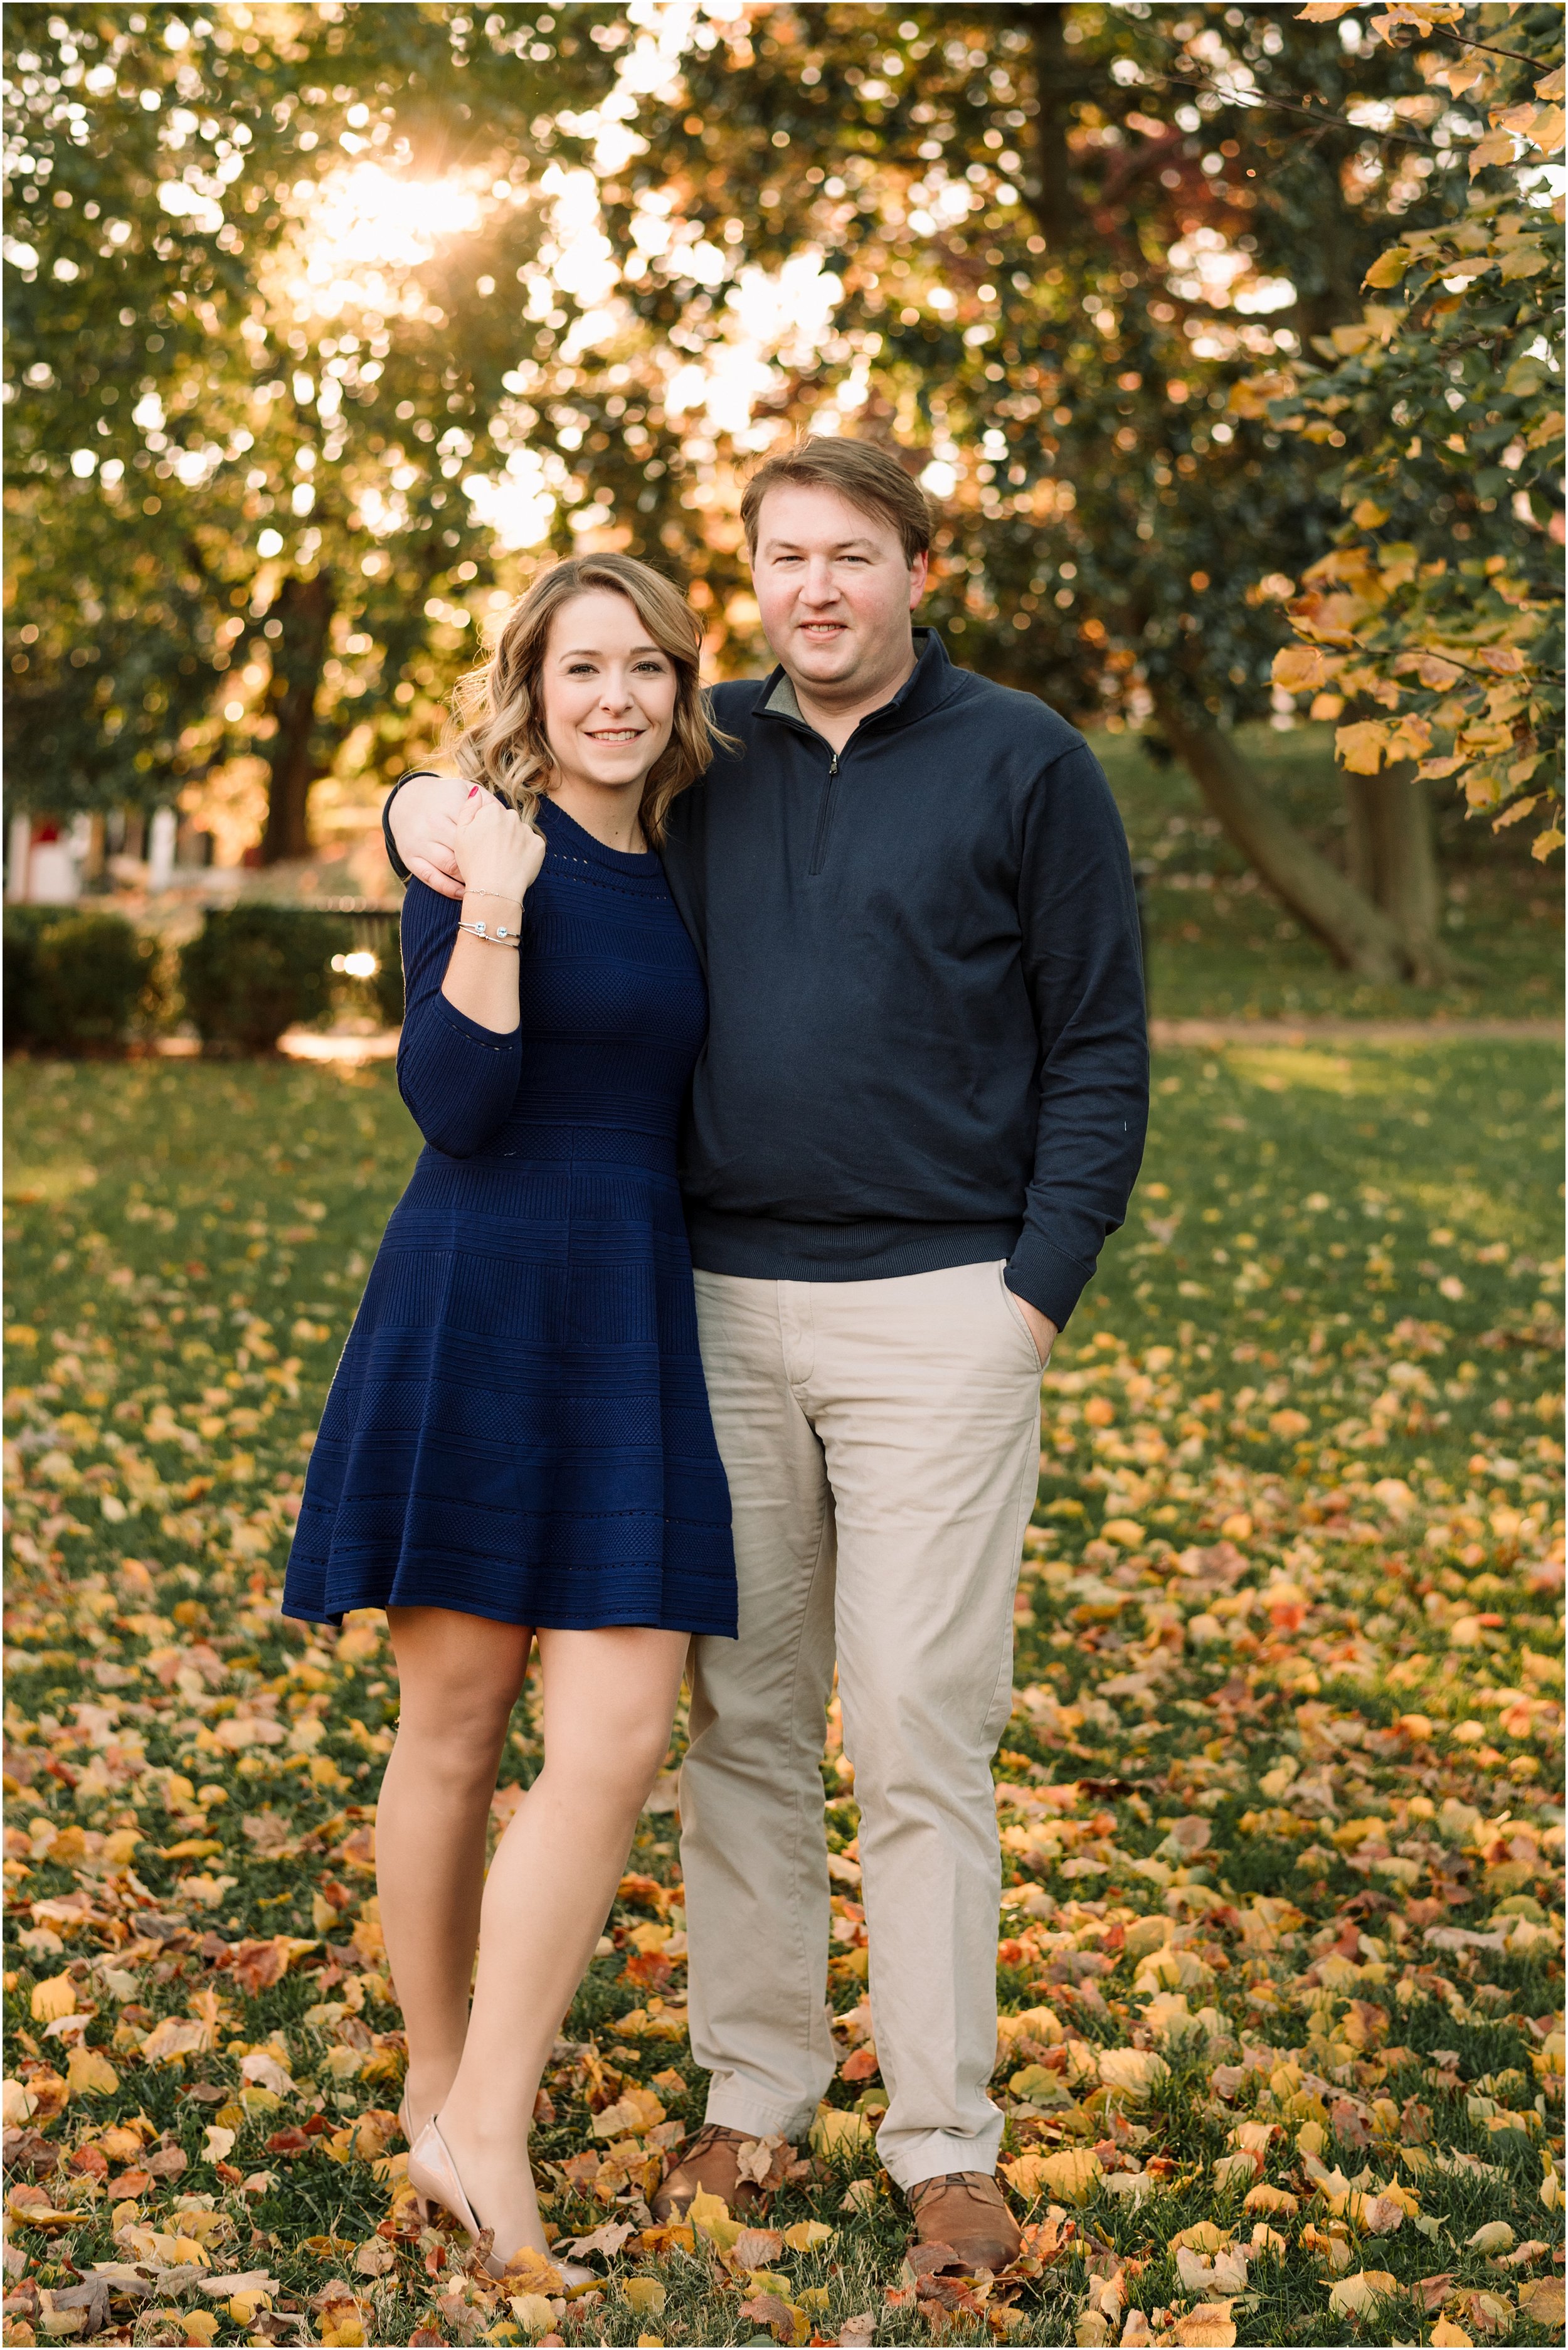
x,y
710,2166
967,2210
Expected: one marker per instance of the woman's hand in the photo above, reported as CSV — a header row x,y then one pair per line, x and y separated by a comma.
x,y
423,823
494,850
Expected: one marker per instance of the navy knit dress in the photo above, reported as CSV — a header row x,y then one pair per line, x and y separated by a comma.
x,y
519,1427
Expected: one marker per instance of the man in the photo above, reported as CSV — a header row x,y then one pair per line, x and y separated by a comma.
x,y
919,1111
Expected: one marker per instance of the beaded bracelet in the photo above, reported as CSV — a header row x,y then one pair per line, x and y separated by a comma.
x,y
498,937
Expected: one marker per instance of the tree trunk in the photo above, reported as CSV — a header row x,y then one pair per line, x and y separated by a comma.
x,y
1358,831
1356,933
1050,200
1393,858
305,607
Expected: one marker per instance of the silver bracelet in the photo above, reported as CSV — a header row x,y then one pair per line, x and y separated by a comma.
x,y
498,937
495,896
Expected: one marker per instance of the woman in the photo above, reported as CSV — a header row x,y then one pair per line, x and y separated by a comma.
x,y
517,1444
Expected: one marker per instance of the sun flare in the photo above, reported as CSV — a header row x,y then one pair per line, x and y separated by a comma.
x,y
364,229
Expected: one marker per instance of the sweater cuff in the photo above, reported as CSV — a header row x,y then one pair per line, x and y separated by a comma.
x,y
395,862
1045,1278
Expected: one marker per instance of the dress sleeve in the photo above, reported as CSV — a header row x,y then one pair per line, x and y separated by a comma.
x,y
393,860
459,1080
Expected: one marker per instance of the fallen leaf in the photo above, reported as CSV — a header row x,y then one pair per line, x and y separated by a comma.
x,y
1542,2303
1353,2296
782,2319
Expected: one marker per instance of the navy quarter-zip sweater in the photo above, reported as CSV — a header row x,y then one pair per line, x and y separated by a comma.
x,y
926,1043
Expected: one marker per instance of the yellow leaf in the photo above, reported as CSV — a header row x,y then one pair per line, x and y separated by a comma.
x,y
20,2105
1544,843
1407,738
531,2271
1497,147
1360,747
1432,668
1367,514
1125,1531
1542,2303
710,2215
45,2215
837,2132
1447,2335
1071,2176
242,2307
172,2039
90,2074
1251,398
808,2235
1555,85
1299,667
1389,267
637,2110
201,2326
1353,2295
1523,261
645,2293
53,1998
1133,2075
1546,130
1263,2197
1324,12
1203,2237
1207,2327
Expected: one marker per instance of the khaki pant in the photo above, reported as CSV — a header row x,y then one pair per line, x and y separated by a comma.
x,y
881,1439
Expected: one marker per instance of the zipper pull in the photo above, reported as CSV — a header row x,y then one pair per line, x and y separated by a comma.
x,y
832,766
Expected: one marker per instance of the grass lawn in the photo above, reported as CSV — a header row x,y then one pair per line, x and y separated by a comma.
x,y
1281,1958
1220,945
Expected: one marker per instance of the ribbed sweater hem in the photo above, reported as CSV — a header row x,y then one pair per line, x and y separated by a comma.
x,y
771,1248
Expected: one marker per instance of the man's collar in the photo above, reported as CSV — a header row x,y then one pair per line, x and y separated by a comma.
x,y
927,684
781,702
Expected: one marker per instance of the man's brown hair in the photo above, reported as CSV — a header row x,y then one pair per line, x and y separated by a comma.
x,y
863,474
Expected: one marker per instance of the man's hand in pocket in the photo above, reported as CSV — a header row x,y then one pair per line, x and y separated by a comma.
x,y
1041,1329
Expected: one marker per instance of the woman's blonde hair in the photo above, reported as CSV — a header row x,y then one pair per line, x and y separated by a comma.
x,y
496,736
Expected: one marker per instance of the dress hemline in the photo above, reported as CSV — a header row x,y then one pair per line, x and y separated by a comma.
x,y
549,1619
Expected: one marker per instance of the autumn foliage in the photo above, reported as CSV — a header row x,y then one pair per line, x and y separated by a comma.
x,y
1447,393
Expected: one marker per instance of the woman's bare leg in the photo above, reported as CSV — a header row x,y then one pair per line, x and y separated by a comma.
x,y
459,1677
610,1698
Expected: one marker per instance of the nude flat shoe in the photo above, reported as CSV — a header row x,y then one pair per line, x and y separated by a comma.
x,y
433,2176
